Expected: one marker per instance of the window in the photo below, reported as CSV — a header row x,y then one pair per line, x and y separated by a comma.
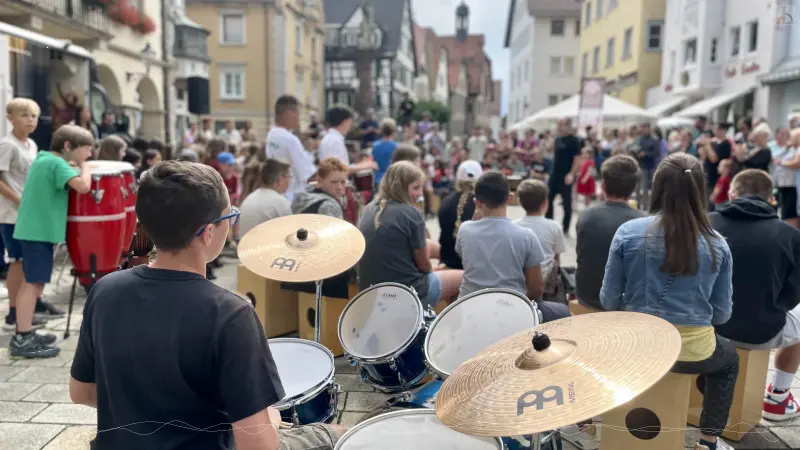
x,y
752,36
552,99
672,58
596,60
610,53
313,49
588,19
526,70
577,27
627,44
512,79
300,86
690,52
654,31
298,40
232,28
231,83
714,44
314,93
599,14
569,65
584,64
557,27
555,65
736,37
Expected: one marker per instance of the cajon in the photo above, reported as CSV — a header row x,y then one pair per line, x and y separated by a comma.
x,y
748,395
577,308
329,320
275,307
655,420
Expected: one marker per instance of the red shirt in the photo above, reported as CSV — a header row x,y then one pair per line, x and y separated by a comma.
x,y
722,187
232,183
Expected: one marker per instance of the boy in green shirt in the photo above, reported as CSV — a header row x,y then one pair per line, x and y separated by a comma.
x,y
42,223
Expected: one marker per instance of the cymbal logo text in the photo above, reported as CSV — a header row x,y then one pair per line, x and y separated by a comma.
x,y
539,398
285,264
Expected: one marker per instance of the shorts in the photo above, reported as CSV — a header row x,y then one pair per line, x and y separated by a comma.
x,y
787,196
788,336
12,245
434,290
37,261
317,437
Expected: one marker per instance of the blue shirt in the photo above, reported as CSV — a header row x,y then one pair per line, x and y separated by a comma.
x,y
634,281
382,154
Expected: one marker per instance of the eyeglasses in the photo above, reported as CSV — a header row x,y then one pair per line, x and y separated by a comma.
x,y
233,217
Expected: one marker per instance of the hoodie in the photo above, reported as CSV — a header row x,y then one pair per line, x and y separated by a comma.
x,y
316,201
766,268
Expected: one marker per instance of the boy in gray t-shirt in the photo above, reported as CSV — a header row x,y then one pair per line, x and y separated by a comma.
x,y
496,253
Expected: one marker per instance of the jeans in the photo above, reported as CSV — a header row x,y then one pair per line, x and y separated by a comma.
x,y
643,191
717,379
558,187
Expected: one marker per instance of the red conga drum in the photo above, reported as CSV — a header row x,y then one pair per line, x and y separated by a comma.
x,y
96,223
364,184
129,188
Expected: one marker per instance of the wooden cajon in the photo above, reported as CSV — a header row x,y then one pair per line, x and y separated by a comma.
x,y
667,400
329,320
577,308
748,395
275,307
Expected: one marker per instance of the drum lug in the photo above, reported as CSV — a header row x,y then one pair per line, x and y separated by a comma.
x,y
430,313
97,194
123,191
351,361
295,418
406,396
133,188
363,376
393,365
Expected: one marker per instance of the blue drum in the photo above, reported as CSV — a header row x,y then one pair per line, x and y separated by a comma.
x,y
306,371
382,330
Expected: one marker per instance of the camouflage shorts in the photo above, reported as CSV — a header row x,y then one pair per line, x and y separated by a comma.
x,y
309,437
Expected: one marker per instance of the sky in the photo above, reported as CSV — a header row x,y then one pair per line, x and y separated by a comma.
x,y
486,16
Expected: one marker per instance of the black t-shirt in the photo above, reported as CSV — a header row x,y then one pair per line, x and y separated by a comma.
x,y
760,160
169,347
723,151
407,108
566,149
448,214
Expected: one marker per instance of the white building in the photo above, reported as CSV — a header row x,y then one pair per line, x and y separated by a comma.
x,y
715,52
544,38
783,80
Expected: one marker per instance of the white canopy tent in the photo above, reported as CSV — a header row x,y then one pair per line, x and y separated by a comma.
x,y
615,113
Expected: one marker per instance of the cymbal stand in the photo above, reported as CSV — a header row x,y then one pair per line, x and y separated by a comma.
x,y
317,320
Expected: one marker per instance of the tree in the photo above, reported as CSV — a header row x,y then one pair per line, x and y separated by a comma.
x,y
439,112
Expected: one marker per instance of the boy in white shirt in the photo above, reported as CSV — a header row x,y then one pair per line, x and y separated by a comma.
x,y
285,146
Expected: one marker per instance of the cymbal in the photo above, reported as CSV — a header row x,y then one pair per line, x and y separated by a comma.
x,y
301,248
582,366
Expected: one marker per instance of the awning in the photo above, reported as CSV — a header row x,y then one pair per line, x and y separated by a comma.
x,y
45,41
666,107
785,72
704,107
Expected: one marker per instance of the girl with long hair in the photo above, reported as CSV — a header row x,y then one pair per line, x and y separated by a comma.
x,y
150,158
673,265
112,148
457,207
396,247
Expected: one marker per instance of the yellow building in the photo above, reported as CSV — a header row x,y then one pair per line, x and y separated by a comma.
x,y
259,51
622,41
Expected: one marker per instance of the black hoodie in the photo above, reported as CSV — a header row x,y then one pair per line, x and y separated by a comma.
x,y
766,268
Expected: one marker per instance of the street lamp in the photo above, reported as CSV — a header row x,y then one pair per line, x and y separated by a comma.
x,y
147,56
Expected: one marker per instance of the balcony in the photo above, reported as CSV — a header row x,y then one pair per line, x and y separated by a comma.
x,y
190,42
75,20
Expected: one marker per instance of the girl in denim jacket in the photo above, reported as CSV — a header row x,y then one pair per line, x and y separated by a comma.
x,y
673,265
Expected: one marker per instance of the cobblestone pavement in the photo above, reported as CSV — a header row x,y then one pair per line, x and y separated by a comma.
x,y
36,412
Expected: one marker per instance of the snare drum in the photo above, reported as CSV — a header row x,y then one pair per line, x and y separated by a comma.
x,y
473,323
382,330
417,429
306,371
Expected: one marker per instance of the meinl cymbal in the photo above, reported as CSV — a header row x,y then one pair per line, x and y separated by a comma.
x,y
301,248
581,366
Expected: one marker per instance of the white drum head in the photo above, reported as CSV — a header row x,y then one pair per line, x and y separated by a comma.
x,y
110,167
415,429
302,365
473,323
380,321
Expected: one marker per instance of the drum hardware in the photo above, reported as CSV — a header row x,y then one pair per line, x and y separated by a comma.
x,y
133,188
557,374
302,248
124,192
97,194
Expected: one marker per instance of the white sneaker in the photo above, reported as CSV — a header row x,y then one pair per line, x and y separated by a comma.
x,y
721,445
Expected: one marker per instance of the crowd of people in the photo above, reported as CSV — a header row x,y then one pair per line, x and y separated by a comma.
x,y
204,360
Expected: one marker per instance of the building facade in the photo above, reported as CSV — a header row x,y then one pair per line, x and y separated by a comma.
x,y
717,53
260,50
189,84
541,34
622,42
470,51
369,71
458,87
783,80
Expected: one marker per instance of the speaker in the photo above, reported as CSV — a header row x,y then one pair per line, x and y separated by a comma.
x,y
197,88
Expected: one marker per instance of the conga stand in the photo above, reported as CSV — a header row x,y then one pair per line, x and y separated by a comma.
x,y
75,275
317,320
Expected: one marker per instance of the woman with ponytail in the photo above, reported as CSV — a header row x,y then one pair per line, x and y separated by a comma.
x,y
457,207
397,249
673,265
